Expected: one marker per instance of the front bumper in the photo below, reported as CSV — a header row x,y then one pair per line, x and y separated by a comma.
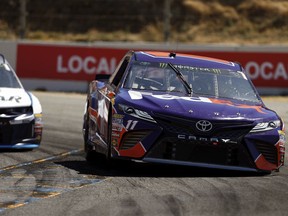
x,y
29,145
196,164
247,153
20,134
202,153
230,147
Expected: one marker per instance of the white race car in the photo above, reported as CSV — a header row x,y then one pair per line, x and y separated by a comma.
x,y
20,112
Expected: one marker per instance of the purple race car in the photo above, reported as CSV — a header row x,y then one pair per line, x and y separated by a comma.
x,y
181,109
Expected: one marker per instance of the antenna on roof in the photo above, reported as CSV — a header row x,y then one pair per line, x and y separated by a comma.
x,y
2,56
172,55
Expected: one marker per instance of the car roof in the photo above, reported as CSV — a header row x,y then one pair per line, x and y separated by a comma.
x,y
185,59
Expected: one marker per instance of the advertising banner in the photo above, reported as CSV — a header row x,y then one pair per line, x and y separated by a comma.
x,y
82,63
65,62
266,69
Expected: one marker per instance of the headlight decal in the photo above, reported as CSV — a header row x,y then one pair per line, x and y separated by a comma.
x,y
22,119
266,126
136,113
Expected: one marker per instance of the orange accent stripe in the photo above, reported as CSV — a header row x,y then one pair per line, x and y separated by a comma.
x,y
166,54
136,151
93,112
229,103
263,164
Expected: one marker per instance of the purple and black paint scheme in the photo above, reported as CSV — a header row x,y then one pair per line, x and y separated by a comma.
x,y
169,108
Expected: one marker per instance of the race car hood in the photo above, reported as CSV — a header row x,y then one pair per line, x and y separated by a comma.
x,y
14,97
196,107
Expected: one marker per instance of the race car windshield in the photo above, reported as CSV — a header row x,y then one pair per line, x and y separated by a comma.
x,y
8,78
209,82
155,76
219,83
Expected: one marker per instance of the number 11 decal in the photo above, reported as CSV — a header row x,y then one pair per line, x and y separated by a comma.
x,y
131,124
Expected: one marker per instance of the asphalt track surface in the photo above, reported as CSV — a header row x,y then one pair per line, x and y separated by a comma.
x,y
55,179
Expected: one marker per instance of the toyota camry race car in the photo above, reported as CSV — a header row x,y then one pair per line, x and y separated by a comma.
x,y
182,109
20,112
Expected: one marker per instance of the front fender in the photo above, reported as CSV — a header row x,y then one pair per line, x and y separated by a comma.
x,y
37,108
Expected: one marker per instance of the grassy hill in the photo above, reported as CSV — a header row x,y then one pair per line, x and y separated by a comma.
x,y
192,21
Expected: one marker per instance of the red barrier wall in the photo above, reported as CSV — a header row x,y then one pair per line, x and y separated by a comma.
x,y
82,63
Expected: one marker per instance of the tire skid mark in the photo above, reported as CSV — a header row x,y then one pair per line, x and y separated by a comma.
x,y
31,181
170,203
175,205
129,206
40,160
224,195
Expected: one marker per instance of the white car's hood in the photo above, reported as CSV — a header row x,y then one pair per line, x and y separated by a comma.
x,y
14,97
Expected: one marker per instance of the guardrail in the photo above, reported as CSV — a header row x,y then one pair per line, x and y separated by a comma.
x,y
71,66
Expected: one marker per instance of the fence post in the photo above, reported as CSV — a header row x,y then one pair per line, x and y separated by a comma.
x,y
166,21
22,20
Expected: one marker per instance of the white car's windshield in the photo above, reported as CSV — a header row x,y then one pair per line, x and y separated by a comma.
x,y
210,82
7,78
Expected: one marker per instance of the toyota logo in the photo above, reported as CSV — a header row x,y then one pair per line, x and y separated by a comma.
x,y
204,125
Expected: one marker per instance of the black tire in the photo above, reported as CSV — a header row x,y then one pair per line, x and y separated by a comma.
x,y
86,128
92,157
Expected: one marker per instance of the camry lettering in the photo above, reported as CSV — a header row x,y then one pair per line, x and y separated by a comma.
x,y
90,65
213,140
194,138
186,137
225,140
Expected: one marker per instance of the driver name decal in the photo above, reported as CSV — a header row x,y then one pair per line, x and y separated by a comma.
x,y
11,98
